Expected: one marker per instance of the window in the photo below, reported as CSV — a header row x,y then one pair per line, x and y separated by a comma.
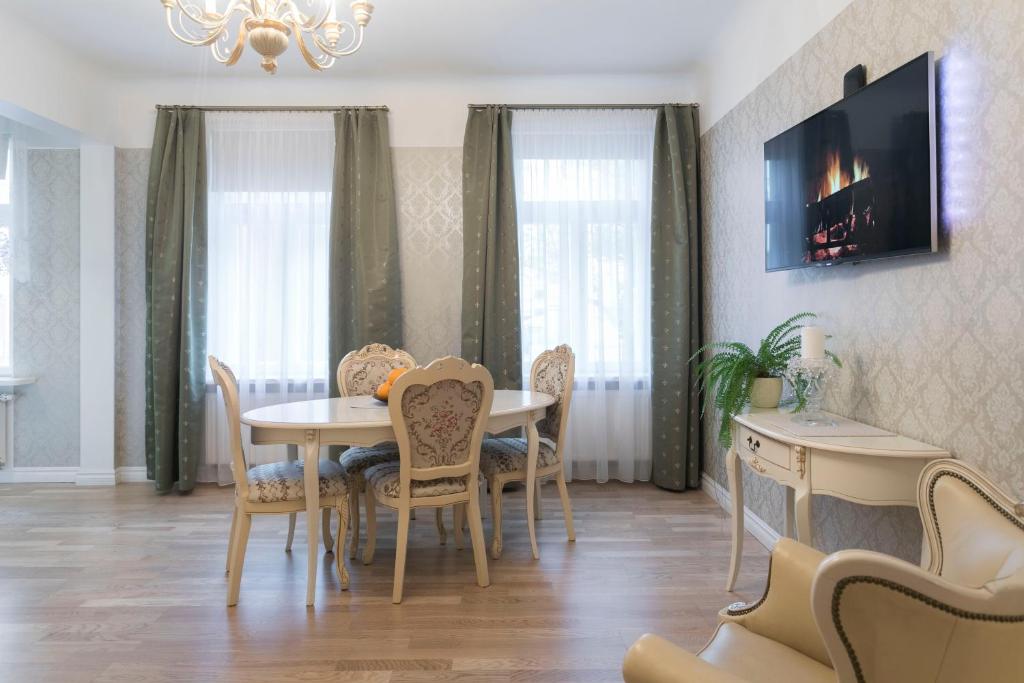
x,y
583,201
6,230
269,209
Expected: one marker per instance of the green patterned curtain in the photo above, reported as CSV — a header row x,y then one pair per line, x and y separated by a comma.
x,y
490,261
675,298
365,287
176,299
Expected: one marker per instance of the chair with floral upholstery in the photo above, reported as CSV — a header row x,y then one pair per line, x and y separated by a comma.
x,y
359,374
274,488
504,460
439,414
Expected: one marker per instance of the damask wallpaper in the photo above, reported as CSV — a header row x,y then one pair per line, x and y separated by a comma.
x,y
46,315
131,172
428,189
931,344
428,186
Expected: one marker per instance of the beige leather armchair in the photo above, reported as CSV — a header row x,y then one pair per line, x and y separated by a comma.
x,y
866,617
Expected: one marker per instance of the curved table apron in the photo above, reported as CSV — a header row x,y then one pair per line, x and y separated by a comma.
x,y
362,421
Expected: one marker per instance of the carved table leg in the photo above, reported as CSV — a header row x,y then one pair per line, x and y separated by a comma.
x,y
732,467
311,479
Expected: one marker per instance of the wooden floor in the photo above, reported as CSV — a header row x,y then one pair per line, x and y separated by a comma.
x,y
119,584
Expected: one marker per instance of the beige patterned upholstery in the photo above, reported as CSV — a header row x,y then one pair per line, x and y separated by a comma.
x,y
384,479
361,372
503,456
356,461
440,418
279,481
550,376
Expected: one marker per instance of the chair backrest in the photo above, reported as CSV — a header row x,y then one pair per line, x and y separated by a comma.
x,y
439,415
552,373
229,389
361,372
974,533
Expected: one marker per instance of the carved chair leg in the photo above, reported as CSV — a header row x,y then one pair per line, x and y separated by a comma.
x,y
238,557
325,521
401,543
496,487
442,534
231,536
371,525
353,505
344,512
563,492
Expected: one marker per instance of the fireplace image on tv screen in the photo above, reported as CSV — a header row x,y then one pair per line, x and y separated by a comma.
x,y
857,180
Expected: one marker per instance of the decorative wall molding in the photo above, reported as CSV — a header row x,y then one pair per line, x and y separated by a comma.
x,y
757,527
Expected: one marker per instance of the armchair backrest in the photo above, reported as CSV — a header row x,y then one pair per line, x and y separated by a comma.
x,y
229,389
887,621
973,531
361,372
439,415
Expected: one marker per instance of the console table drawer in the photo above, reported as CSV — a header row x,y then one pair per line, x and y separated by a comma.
x,y
752,444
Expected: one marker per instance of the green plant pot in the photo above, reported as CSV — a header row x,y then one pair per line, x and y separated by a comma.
x,y
766,392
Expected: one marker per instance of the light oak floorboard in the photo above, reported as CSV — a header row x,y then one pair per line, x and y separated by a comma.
x,y
119,584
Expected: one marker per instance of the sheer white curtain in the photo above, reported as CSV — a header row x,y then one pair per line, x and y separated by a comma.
x,y
269,215
583,198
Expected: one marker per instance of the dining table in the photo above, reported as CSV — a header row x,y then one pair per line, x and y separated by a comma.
x,y
365,421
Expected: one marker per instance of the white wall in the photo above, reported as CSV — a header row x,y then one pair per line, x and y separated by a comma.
x,y
424,112
760,38
42,84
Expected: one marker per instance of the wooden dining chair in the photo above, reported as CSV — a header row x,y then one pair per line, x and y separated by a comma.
x,y
274,488
439,414
359,373
504,460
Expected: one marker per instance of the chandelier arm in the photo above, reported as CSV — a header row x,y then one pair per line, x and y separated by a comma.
x,y
231,58
212,30
302,22
210,20
351,48
304,51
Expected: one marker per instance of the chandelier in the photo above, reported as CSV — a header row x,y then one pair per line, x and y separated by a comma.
x,y
267,25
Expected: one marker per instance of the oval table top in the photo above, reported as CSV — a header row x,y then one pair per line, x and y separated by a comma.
x,y
365,411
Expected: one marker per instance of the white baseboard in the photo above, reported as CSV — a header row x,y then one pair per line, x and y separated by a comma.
x,y
95,478
38,475
71,475
757,527
130,475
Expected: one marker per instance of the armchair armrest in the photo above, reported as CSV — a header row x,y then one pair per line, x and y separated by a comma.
x,y
652,659
885,620
784,611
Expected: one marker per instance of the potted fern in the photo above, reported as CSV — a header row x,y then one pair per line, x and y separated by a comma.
x,y
736,375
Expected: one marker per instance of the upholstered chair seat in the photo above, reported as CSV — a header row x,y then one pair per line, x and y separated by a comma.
x,y
508,455
356,461
864,617
386,482
281,481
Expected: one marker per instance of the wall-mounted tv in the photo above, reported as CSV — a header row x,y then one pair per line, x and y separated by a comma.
x,y
856,181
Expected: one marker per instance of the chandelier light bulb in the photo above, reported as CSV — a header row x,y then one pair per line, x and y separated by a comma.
x,y
268,26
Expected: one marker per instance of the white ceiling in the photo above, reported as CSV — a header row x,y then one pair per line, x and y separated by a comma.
x,y
410,37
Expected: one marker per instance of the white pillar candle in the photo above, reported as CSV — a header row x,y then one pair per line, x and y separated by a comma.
x,y
812,342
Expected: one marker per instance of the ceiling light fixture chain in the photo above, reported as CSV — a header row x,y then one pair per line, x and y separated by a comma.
x,y
268,25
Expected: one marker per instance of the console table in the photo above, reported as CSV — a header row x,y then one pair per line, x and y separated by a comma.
x,y
858,463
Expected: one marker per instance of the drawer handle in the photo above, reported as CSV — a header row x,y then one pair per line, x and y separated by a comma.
x,y
753,445
756,464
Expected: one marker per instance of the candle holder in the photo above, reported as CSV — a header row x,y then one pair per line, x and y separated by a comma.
x,y
808,377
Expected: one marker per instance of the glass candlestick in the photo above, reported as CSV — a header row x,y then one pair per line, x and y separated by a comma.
x,y
808,377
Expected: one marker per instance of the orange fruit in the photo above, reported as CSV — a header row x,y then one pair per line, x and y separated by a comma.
x,y
382,391
395,374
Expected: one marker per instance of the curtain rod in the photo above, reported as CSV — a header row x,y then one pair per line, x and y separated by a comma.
x,y
585,106
281,108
